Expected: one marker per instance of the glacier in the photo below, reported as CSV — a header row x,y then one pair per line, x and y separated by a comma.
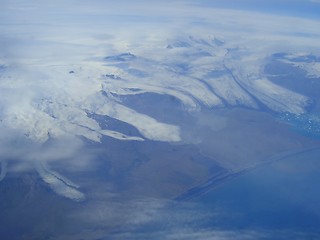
x,y
54,102
44,100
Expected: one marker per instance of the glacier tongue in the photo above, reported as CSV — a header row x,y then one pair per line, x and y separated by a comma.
x,y
59,184
279,99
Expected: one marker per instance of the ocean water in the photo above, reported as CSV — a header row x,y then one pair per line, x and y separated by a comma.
x,y
280,200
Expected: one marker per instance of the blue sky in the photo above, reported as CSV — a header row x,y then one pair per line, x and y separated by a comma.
x,y
302,8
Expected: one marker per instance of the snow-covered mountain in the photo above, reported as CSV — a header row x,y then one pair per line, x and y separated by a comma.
x,y
44,100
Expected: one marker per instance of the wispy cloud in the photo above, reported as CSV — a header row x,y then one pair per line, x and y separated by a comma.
x,y
151,218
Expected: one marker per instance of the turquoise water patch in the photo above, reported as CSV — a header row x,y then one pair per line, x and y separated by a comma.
x,y
307,124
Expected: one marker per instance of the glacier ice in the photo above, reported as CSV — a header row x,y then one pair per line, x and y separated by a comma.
x,y
59,184
46,100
